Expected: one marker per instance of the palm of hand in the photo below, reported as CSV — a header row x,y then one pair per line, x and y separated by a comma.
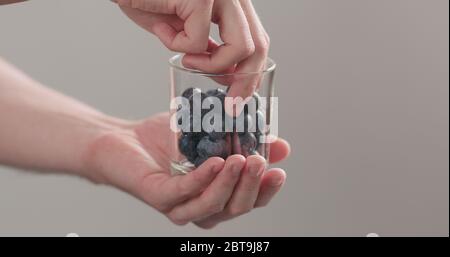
x,y
136,160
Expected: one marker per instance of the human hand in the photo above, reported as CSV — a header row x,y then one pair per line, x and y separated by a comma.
x,y
184,25
135,158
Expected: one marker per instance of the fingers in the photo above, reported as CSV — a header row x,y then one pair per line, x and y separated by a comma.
x,y
245,193
196,14
194,38
150,21
244,86
279,150
230,196
214,198
216,191
170,192
222,80
235,33
271,183
244,51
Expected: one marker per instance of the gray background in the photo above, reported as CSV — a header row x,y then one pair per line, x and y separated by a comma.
x,y
363,89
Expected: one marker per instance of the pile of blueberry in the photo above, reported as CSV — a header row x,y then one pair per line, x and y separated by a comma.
x,y
244,139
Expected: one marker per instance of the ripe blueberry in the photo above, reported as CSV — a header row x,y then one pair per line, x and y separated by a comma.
x,y
209,148
248,143
188,146
189,92
217,135
199,161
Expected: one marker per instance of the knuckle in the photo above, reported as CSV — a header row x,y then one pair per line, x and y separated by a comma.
x,y
194,45
237,211
206,225
171,46
177,220
161,207
261,204
214,207
247,49
263,45
198,47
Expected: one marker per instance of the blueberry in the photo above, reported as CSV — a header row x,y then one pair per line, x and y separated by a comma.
x,y
209,148
197,136
189,92
198,119
195,93
199,161
188,146
243,122
183,109
187,126
199,146
217,135
215,93
219,93
254,153
248,143
248,122
210,106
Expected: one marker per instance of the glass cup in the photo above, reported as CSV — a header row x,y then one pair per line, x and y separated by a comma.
x,y
205,122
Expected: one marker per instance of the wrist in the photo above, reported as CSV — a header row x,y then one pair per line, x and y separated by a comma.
x,y
97,144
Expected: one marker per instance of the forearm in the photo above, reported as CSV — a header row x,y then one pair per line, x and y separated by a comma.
x,y
42,129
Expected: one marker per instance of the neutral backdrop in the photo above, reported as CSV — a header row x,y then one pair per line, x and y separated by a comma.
x,y
363,89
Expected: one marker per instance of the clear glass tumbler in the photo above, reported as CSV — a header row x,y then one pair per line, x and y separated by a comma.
x,y
204,125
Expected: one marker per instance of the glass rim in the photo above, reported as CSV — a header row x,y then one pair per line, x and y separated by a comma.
x,y
175,62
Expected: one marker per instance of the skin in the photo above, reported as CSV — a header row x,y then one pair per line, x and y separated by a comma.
x,y
60,134
183,26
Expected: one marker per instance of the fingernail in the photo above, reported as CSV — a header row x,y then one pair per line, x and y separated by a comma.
x,y
278,182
